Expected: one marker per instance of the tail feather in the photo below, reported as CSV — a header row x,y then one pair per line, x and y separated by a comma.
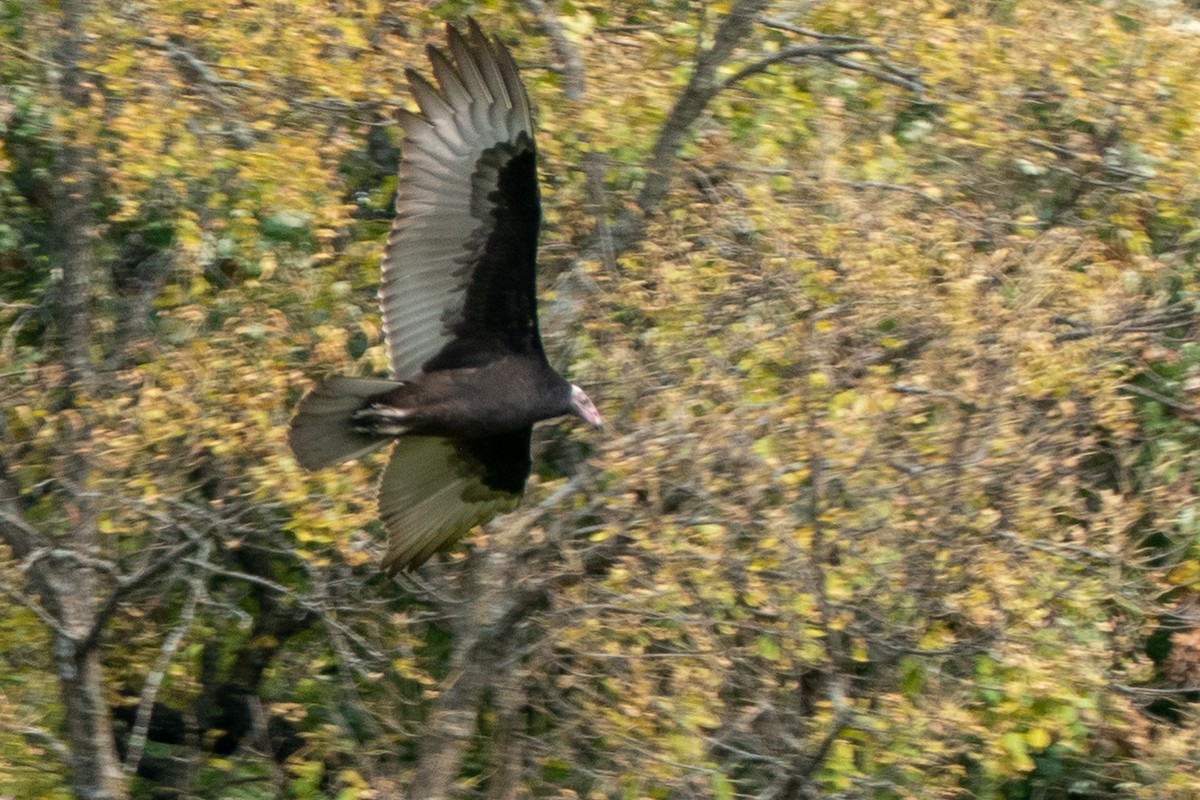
x,y
321,434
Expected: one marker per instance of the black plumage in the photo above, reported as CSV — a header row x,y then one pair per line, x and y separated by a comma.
x,y
469,377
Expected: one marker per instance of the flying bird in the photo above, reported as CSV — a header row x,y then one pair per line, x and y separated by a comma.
x,y
468,376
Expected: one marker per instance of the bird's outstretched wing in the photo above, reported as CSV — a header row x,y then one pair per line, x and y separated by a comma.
x,y
458,271
436,489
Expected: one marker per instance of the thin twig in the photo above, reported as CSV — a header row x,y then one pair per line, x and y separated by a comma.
x,y
794,53
46,62
891,187
1158,398
886,75
198,67
302,602
906,388
44,616
128,583
782,25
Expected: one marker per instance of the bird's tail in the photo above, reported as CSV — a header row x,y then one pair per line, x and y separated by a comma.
x,y
321,433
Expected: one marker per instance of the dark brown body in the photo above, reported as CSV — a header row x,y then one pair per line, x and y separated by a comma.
x,y
504,395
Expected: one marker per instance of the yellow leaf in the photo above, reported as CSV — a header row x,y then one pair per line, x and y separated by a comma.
x,y
1038,738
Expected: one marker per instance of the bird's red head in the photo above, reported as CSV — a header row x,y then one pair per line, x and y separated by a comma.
x,y
583,407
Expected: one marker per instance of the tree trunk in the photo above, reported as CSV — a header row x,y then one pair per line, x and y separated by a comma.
x,y
95,771
451,728
611,240
72,582
480,638
507,762
72,209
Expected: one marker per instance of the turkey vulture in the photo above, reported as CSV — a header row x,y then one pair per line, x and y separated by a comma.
x,y
468,374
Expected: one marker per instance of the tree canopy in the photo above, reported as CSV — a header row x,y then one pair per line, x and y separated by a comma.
x,y
891,310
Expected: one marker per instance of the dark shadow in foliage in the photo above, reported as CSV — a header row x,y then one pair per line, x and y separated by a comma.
x,y
222,719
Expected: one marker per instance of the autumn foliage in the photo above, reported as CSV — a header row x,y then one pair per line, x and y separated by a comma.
x,y
893,315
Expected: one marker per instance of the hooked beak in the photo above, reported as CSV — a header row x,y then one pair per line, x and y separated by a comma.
x,y
584,408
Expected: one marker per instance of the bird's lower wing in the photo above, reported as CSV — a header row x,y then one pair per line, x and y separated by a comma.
x,y
436,489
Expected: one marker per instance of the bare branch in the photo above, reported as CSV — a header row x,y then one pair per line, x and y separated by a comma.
x,y
170,645
1064,550
837,47
302,602
700,90
21,537
488,644
782,25
1148,691
49,741
1067,152
192,65
795,53
886,74
39,611
964,403
843,713
610,241
890,187
27,54
129,583
61,554
8,343
1149,394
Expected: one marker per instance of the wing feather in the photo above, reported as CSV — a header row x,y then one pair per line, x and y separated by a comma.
x,y
435,490
489,69
520,113
431,102
448,78
472,77
458,230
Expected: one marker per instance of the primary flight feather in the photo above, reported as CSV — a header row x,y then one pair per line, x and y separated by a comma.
x,y
468,374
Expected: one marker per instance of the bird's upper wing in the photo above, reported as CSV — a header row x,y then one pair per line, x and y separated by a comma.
x,y
436,489
458,270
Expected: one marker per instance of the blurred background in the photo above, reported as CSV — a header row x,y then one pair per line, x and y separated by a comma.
x,y
892,312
